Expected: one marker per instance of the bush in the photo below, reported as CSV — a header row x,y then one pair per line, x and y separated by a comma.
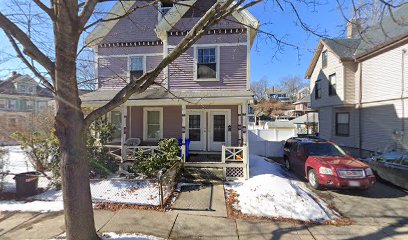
x,y
102,163
150,164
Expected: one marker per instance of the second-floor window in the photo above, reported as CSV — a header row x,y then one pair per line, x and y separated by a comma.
x,y
332,85
136,67
207,63
318,89
324,59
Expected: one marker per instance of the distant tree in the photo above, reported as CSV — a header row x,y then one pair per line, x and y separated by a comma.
x,y
260,88
292,84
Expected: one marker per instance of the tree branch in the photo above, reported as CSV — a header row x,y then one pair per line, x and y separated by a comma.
x,y
45,9
86,13
29,48
43,80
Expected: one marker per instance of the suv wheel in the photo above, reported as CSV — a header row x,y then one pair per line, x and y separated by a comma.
x,y
287,164
313,180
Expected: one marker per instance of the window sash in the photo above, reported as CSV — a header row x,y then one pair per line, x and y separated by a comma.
x,y
324,59
332,84
342,124
318,89
153,124
207,63
136,67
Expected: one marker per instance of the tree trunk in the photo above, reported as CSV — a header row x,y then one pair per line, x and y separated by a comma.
x,y
70,126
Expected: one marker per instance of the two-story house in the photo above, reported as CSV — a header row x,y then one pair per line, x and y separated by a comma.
x,y
20,96
359,85
202,96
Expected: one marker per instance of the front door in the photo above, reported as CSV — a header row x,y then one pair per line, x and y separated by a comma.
x,y
218,130
196,130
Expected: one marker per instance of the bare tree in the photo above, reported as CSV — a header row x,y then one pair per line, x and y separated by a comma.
x,y
69,19
260,88
292,84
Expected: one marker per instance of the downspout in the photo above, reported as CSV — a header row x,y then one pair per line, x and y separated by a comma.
x,y
402,96
360,97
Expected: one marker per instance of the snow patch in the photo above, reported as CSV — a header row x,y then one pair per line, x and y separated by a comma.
x,y
271,192
34,206
127,236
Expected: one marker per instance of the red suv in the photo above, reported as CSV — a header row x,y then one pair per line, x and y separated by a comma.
x,y
324,164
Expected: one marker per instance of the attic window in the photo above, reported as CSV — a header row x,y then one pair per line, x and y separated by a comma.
x,y
324,59
164,7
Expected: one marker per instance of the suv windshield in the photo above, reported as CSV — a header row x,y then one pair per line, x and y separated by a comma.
x,y
324,149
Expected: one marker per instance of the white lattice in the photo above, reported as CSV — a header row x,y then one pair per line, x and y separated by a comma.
x,y
233,172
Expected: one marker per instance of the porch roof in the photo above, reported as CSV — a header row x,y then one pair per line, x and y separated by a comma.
x,y
102,96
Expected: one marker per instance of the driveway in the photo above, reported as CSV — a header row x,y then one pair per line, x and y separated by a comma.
x,y
380,212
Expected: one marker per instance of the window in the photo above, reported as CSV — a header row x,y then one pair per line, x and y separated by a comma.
x,y
324,59
343,124
206,63
153,123
30,105
332,85
2,103
116,121
12,104
21,88
318,89
136,67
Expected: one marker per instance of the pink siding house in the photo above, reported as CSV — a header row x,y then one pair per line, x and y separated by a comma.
x,y
202,97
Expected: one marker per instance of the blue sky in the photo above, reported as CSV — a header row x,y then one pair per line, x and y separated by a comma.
x,y
326,19
265,61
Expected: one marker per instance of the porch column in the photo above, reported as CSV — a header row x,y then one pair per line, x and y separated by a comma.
x,y
183,131
123,131
239,125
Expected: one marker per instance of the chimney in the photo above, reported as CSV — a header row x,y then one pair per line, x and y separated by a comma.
x,y
353,28
13,73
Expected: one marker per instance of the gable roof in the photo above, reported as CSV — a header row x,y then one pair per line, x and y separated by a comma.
x,y
8,86
165,24
392,28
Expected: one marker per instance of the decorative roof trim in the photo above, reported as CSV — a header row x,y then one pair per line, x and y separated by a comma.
x,y
210,32
131,44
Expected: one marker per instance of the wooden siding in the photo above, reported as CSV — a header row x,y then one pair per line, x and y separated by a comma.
x,y
232,38
334,66
233,71
138,26
350,71
382,76
113,71
109,51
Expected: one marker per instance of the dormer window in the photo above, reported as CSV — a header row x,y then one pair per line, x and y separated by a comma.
x,y
164,7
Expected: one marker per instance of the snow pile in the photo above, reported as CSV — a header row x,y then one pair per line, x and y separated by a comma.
x,y
127,236
270,192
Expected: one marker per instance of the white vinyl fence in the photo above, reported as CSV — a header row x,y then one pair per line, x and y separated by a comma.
x,y
269,143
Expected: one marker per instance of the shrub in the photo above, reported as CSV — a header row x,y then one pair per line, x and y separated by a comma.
x,y
150,164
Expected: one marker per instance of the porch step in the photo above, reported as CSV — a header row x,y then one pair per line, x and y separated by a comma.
x,y
202,175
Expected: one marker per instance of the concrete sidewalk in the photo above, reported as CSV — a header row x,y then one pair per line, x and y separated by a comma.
x,y
178,225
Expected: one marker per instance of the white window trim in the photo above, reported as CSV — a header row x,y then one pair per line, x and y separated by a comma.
x,y
217,57
129,62
145,110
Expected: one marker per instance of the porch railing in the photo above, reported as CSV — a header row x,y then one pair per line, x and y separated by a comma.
x,y
129,151
235,162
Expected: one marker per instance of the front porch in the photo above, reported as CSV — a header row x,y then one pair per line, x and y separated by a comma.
x,y
211,126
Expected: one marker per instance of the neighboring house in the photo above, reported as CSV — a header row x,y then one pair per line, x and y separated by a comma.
x,y
20,96
302,106
280,97
202,96
307,123
359,85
